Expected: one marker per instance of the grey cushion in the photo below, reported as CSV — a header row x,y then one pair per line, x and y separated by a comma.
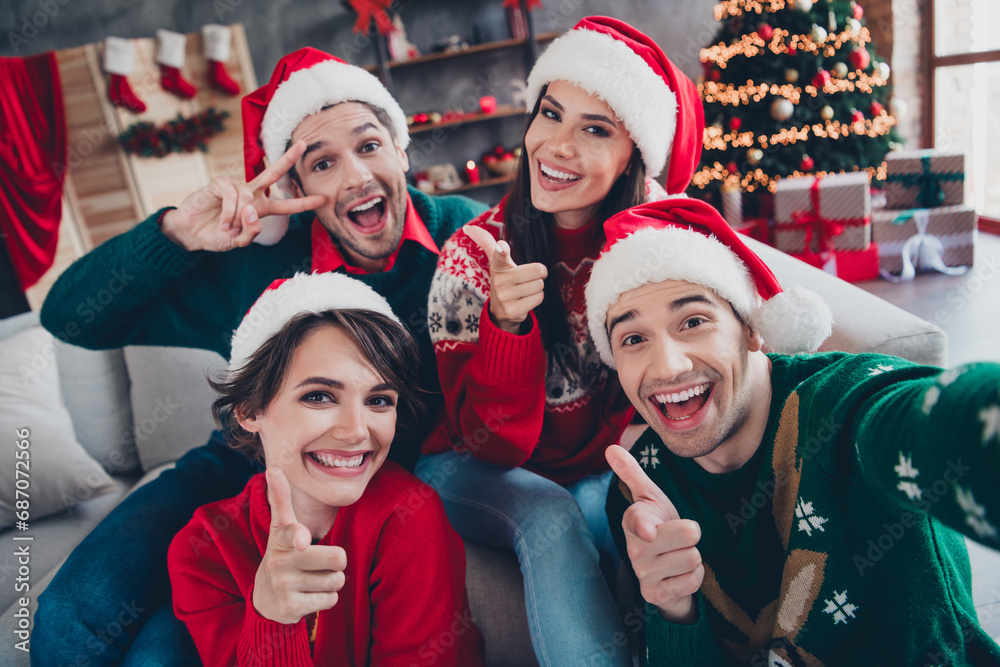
x,y
171,400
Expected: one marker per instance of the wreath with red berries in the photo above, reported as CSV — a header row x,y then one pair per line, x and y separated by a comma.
x,y
181,135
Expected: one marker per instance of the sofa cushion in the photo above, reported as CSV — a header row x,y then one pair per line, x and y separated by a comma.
x,y
171,400
55,471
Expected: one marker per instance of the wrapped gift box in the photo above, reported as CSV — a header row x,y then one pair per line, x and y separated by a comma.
x,y
833,212
849,265
924,179
755,228
921,236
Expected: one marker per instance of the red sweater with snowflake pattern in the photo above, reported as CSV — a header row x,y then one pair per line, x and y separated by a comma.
x,y
403,602
507,400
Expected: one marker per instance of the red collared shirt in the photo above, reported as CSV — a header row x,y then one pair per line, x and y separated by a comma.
x,y
326,256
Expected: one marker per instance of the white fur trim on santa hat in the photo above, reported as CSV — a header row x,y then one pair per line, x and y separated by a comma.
x,y
170,48
304,293
119,55
793,321
655,255
324,84
217,39
608,68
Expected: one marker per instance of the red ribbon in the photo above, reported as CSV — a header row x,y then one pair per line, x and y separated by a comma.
x,y
372,9
824,229
532,4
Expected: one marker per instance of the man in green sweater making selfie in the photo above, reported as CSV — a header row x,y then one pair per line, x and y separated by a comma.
x,y
785,510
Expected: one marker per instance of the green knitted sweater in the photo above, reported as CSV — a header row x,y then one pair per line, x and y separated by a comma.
x,y
139,288
836,542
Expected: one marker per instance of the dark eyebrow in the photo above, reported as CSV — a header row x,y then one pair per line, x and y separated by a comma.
x,y
685,300
310,148
624,317
601,118
361,129
326,382
551,100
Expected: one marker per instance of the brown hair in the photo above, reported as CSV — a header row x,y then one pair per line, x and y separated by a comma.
x,y
531,237
388,345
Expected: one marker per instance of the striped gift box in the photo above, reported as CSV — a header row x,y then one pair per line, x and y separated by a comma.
x,y
844,199
953,226
924,179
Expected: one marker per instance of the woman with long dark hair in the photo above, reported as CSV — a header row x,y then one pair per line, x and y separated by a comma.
x,y
519,461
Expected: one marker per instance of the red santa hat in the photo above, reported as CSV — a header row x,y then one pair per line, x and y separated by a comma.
x,y
687,239
302,84
656,102
303,293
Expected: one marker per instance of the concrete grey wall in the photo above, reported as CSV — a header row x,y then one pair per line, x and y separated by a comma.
x,y
276,27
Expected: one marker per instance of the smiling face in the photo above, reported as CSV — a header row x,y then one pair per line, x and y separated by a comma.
x,y
688,365
576,150
352,159
329,427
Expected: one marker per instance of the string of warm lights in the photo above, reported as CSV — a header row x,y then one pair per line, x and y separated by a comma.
x,y
752,180
751,44
751,92
739,7
715,139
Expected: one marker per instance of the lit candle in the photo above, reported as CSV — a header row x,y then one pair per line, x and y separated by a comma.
x,y
472,171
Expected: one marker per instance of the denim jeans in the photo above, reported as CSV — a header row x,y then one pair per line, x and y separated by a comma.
x,y
557,533
111,598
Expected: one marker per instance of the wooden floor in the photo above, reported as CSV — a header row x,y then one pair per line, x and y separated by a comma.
x,y
967,307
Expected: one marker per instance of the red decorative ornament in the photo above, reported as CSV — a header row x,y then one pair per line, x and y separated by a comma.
x,y
807,163
821,79
735,123
877,109
714,74
792,51
860,58
857,116
372,9
766,32
858,11
732,168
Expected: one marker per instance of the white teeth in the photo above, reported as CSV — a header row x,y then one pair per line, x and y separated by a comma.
x,y
685,395
552,173
366,206
338,462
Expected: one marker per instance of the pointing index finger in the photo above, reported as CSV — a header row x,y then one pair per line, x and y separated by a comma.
x,y
638,482
273,172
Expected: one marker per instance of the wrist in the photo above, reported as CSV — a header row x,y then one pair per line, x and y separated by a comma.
x,y
684,612
169,224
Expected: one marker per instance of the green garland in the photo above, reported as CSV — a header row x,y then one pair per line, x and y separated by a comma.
x,y
181,135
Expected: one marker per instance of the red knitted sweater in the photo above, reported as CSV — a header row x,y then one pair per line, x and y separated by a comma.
x,y
506,399
403,602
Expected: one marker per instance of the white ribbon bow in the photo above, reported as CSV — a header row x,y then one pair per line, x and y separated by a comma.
x,y
923,250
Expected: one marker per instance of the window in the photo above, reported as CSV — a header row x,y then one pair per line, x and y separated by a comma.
x,y
962,106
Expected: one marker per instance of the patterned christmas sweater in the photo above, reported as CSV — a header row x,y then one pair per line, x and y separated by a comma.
x,y
841,540
506,399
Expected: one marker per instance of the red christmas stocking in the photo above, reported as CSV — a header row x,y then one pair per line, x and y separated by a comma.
x,y
170,55
118,59
217,40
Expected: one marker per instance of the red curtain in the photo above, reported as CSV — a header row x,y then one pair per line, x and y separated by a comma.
x,y
32,162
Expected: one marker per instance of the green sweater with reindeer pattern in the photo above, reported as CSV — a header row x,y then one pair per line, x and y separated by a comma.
x,y
841,540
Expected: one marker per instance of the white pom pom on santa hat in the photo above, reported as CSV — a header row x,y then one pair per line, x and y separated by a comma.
x,y
686,239
302,293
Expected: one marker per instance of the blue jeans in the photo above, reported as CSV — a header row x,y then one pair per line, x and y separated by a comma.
x,y
110,601
557,533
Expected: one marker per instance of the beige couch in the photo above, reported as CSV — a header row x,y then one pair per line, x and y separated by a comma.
x,y
160,397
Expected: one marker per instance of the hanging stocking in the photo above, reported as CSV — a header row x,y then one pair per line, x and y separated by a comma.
x,y
217,42
170,55
119,55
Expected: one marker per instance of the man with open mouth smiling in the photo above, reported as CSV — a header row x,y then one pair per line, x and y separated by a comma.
x,y
331,135
768,487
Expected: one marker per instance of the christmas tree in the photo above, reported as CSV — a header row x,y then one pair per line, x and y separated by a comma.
x,y
791,88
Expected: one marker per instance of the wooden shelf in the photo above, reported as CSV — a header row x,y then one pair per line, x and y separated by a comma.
x,y
479,48
498,180
503,111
